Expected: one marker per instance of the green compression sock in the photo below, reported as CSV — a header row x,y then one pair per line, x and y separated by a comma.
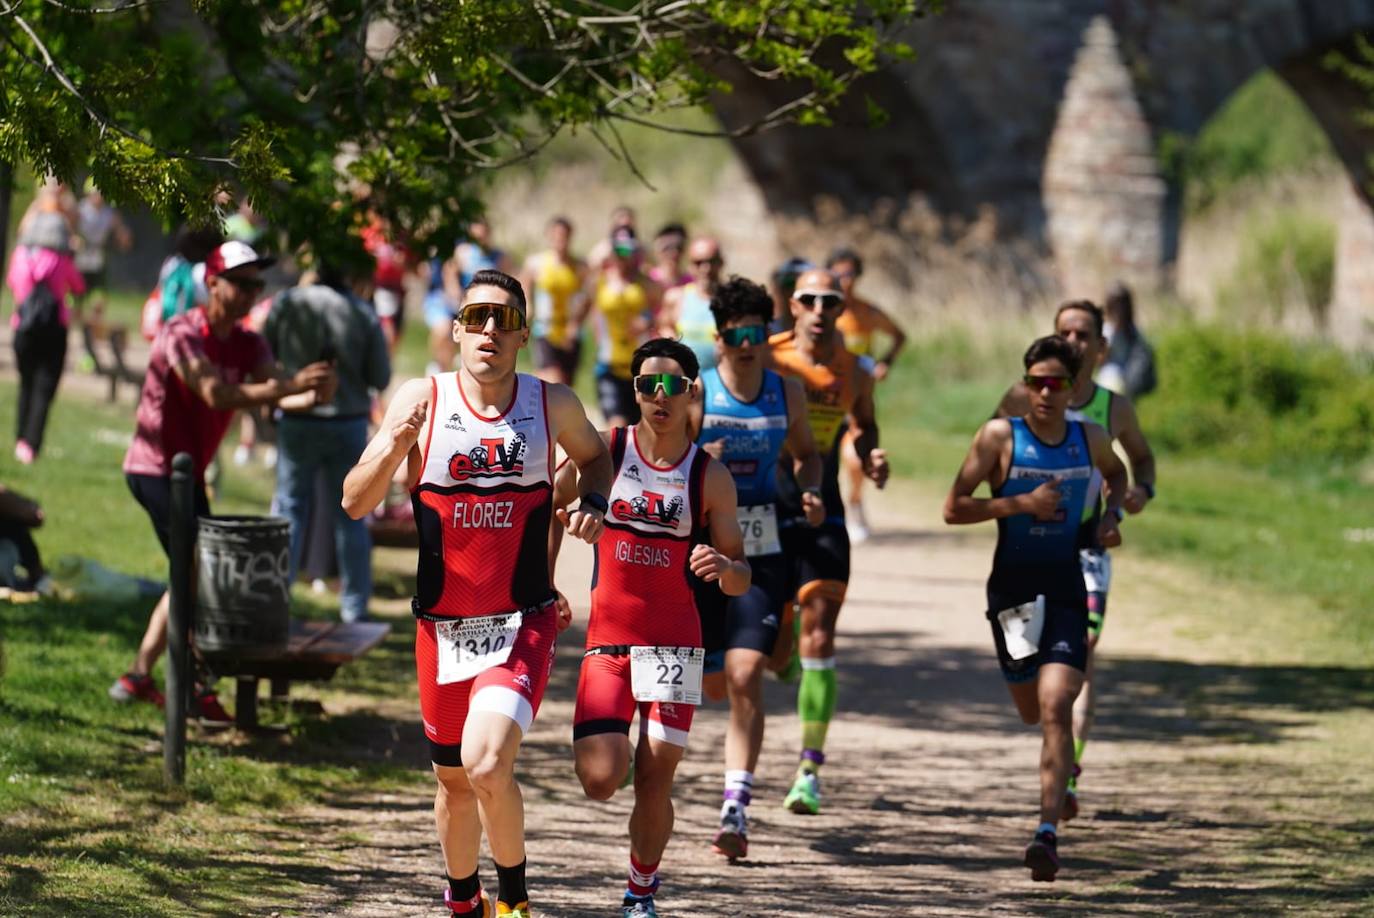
x,y
816,700
1078,745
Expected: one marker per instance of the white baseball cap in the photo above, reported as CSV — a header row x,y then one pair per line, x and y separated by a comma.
x,y
234,254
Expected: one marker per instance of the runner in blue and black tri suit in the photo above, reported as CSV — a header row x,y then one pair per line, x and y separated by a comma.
x,y
1081,323
1040,468
746,415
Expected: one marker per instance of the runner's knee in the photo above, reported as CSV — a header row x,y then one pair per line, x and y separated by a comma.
x,y
598,783
600,771
453,785
746,679
1057,709
491,772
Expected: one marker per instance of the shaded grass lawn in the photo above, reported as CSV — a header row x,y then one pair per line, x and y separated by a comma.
x,y
88,825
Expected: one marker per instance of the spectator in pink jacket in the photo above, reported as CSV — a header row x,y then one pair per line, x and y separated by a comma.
x,y
42,275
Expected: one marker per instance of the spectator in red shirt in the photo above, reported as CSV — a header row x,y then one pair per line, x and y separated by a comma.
x,y
203,365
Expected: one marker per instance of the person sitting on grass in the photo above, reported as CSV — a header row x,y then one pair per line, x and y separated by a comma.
x,y
18,516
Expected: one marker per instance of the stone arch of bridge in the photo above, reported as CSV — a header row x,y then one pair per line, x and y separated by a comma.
x,y
1109,210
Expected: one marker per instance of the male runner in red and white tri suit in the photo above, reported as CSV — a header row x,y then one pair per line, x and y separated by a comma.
x,y
478,445
672,511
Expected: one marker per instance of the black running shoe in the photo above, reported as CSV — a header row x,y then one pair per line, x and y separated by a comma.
x,y
1042,857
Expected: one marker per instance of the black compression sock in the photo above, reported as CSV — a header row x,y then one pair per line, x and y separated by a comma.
x,y
465,890
512,884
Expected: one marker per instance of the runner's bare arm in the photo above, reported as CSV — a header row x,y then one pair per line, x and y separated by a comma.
x,y
564,494
667,316
723,559
864,423
1014,403
800,444
527,273
1138,452
883,322
398,439
580,302
267,383
587,449
696,411
654,297
984,462
1114,476
582,306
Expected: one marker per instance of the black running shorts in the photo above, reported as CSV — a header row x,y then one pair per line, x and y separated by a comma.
x,y
817,553
1064,638
616,397
751,620
564,358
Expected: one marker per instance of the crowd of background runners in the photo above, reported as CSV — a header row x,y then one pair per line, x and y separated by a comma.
x,y
723,493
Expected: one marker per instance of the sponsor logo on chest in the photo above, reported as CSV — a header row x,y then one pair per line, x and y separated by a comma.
x,y
649,507
492,457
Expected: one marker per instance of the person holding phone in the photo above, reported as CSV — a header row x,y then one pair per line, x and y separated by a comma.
x,y
322,433
1040,468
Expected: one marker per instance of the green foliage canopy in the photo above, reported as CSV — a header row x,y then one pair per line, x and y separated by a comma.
x,y
319,111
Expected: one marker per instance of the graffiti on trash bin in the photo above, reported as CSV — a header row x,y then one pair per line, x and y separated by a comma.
x,y
259,576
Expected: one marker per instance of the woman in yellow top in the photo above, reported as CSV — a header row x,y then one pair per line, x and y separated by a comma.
x,y
625,301
860,324
554,279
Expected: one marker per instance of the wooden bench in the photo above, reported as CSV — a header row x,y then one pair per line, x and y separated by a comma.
x,y
116,337
314,652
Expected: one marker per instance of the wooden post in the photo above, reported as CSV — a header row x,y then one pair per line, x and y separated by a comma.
x,y
180,618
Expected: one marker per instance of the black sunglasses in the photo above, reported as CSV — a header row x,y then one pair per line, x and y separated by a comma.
x,y
735,337
827,300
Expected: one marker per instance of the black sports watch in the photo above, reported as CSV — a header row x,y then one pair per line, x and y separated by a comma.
x,y
595,502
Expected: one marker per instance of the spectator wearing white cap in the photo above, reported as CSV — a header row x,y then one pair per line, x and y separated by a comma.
x,y
203,365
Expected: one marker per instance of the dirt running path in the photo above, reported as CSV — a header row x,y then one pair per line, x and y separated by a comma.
x,y
930,788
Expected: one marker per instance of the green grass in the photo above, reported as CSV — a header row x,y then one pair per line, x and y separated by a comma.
x,y
1263,130
89,826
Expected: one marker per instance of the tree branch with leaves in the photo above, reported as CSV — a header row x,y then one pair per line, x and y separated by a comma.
x,y
322,111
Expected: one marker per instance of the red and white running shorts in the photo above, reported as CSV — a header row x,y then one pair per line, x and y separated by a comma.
x,y
514,688
606,704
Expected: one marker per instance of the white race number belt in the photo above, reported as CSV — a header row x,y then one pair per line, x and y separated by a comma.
x,y
1021,626
666,674
759,527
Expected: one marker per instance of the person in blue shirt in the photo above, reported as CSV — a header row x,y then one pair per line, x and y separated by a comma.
x,y
1040,469
746,416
